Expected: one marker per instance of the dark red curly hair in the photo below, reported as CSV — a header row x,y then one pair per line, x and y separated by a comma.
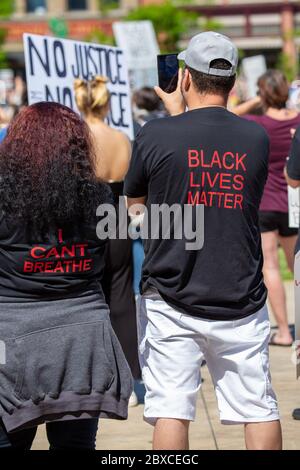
x,y
47,170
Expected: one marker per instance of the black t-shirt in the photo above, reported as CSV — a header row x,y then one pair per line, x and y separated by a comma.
x,y
205,156
67,262
293,167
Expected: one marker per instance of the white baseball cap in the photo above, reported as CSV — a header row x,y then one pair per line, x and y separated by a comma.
x,y
206,47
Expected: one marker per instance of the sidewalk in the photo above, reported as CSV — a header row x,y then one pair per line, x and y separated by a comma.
x,y
207,432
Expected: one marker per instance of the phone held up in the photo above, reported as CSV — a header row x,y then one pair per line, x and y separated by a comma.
x,y
167,66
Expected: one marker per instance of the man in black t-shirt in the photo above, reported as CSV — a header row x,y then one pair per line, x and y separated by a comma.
x,y
203,171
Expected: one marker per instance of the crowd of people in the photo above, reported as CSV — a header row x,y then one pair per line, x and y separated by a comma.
x,y
84,320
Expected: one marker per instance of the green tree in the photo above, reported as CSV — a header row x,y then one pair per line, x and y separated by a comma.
x,y
170,22
6,8
285,62
287,66
100,37
107,5
58,27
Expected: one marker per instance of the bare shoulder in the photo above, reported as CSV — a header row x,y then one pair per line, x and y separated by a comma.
x,y
121,139
121,136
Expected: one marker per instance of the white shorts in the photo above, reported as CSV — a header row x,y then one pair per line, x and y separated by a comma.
x,y
172,346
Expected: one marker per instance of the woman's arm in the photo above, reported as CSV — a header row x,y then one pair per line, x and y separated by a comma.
x,y
290,181
247,107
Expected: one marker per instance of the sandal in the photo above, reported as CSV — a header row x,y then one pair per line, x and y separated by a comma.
x,y
272,342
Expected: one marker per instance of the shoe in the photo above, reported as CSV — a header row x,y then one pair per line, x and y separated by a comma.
x,y
133,400
296,413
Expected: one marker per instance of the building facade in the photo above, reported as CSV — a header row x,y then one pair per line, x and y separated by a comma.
x,y
268,26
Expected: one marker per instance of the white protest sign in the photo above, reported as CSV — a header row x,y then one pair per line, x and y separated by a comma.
x,y
294,95
297,312
52,65
138,40
253,68
294,207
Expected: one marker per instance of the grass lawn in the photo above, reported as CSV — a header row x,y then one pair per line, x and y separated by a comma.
x,y
285,272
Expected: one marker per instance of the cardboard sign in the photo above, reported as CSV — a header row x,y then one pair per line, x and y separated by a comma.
x,y
294,207
52,65
138,40
253,68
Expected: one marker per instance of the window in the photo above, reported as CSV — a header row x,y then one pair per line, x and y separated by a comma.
x,y
77,4
36,6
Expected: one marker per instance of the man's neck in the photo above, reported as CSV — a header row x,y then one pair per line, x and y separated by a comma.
x,y
207,101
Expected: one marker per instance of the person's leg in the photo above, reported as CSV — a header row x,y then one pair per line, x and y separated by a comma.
x,y
275,287
170,360
4,439
171,434
237,357
263,436
288,245
72,435
21,440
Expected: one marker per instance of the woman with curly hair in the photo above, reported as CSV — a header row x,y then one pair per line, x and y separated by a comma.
x,y
60,361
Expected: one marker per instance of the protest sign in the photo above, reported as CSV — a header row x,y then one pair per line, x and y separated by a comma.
x,y
138,40
253,67
52,65
294,207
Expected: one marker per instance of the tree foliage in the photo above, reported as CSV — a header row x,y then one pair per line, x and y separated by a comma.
x,y
6,8
100,37
287,66
170,22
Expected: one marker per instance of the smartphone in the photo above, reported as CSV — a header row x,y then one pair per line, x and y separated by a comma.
x,y
167,66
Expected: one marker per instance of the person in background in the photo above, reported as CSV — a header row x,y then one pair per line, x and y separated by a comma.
x,y
292,175
112,160
3,133
278,121
61,362
146,106
15,101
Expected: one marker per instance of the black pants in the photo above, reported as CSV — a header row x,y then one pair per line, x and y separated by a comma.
x,y
62,435
118,290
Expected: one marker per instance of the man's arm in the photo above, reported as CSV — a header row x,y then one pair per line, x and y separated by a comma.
x,y
133,205
136,181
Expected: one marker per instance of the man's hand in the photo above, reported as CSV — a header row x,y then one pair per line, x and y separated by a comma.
x,y
174,102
